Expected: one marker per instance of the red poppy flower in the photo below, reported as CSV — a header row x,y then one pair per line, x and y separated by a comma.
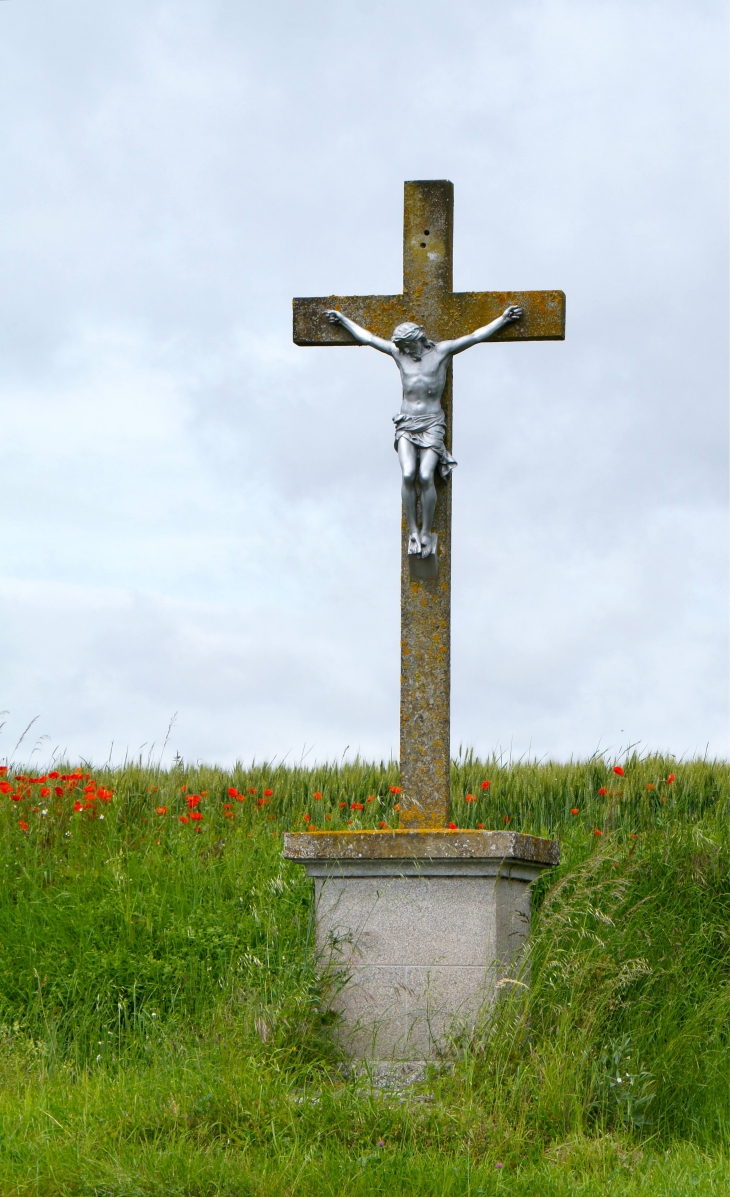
x,y
15,797
480,826
162,810
58,790
618,770
597,831
506,818
45,791
453,827
196,815
230,814
268,793
486,785
603,790
227,806
5,787
396,789
104,795
651,787
78,805
343,805
574,810
183,818
317,795
232,792
252,790
664,797
307,818
672,777
4,769
383,825
469,798
184,789
371,797
22,825
357,806
240,797
192,800
54,775
632,836
349,822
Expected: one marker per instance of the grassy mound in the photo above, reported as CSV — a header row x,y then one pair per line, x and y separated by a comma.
x,y
163,1029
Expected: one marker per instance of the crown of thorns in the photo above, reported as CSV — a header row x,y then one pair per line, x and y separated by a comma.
x,y
406,333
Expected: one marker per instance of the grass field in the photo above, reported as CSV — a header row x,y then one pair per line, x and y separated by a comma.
x,y
163,1030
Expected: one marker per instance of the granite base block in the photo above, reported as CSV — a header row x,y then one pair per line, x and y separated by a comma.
x,y
418,941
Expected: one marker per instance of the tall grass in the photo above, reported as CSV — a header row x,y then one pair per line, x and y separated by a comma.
x,y
164,1030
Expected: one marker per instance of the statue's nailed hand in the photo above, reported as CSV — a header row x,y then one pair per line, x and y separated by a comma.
x,y
334,317
513,312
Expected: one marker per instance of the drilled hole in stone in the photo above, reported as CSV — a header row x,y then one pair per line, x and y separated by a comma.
x,y
425,232
423,245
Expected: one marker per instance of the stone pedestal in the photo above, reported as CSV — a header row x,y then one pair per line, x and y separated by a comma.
x,y
421,926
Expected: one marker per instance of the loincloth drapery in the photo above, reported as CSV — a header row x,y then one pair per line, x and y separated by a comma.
x,y
426,432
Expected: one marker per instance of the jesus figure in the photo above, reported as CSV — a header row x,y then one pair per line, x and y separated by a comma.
x,y
421,423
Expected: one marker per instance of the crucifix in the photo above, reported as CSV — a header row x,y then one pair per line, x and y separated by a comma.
x,y
422,329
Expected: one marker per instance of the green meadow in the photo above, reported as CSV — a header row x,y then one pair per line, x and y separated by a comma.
x,y
164,1030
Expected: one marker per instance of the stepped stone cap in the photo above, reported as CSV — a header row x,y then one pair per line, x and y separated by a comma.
x,y
309,846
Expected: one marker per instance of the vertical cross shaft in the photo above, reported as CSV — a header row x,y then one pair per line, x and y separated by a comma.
x,y
425,694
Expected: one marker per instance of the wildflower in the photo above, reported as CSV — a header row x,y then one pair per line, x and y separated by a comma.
x,y
371,797
227,806
58,790
469,798
480,826
574,810
162,810
396,806
453,827
396,789
313,827
204,793
45,791
357,806
45,812
230,814
317,796
4,769
184,789
240,797
104,795
499,1164
632,836
196,815
183,818
597,831
78,805
22,825
672,777
15,797
651,787
252,790
486,785
326,816
232,792
618,770
52,775
268,793
664,797
5,787
260,802
506,818
193,800
307,818
382,825
343,805
349,822
381,1142
603,791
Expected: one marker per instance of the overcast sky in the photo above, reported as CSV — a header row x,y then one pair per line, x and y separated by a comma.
x,y
200,517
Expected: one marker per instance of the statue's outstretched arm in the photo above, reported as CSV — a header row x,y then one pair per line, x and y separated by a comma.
x,y
361,335
513,312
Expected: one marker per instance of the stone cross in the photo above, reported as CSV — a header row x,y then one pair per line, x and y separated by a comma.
x,y
428,300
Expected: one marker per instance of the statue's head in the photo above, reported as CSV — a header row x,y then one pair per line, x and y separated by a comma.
x,y
411,339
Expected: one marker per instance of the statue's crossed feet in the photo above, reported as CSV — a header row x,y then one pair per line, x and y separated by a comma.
x,y
414,545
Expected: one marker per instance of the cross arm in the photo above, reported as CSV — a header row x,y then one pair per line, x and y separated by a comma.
x,y
444,316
